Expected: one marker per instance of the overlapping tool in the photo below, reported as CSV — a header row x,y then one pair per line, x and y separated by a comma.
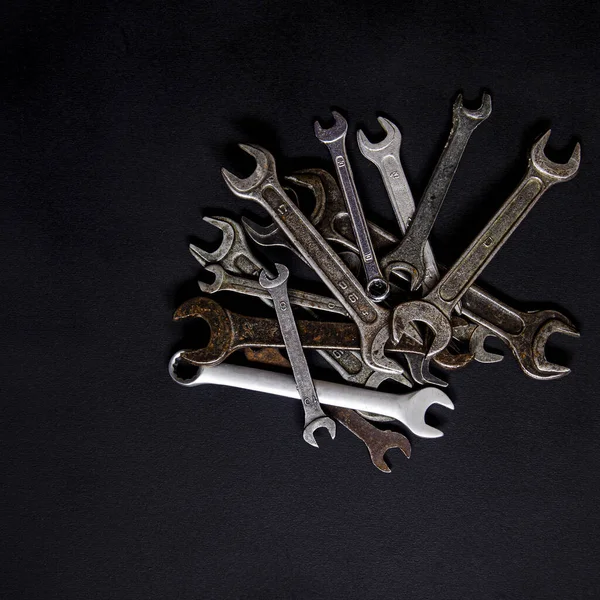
x,y
397,310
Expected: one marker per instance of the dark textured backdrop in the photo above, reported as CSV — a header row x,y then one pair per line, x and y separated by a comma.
x,y
115,120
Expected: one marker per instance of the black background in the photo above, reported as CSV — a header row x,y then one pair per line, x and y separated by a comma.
x,y
116,118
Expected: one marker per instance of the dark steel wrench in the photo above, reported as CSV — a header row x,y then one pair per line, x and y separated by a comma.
x,y
436,308
334,138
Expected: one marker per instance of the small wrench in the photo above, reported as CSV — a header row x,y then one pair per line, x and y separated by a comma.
x,y
378,442
335,139
435,308
409,408
263,187
314,417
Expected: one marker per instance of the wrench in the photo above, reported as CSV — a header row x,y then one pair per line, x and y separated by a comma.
x,y
230,332
314,417
335,139
409,408
414,254
378,442
373,320
526,344
240,259
435,308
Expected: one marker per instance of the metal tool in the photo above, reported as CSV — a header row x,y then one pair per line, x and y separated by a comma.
x,y
230,331
373,320
409,256
435,308
335,139
314,417
377,441
409,409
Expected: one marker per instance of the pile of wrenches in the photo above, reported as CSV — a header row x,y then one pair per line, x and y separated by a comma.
x,y
403,310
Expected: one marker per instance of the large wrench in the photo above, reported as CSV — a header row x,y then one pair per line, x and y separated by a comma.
x,y
526,343
435,308
335,139
235,254
414,254
409,408
314,417
377,441
373,320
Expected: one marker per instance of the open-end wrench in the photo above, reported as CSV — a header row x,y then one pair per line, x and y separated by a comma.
x,y
230,331
314,417
409,409
236,254
526,343
263,187
334,138
436,308
377,441
414,253
229,282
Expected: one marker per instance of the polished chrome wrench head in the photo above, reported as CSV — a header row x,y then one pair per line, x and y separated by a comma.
x,y
334,133
390,143
549,170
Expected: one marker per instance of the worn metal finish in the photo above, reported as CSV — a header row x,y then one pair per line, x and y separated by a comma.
x,y
230,331
334,138
373,320
314,417
436,307
378,442
409,409
409,255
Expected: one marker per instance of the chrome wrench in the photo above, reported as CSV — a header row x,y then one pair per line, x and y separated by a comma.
x,y
334,138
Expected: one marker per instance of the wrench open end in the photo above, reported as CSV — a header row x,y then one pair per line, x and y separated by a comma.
x,y
416,276
282,275
478,114
309,430
556,172
418,405
265,165
335,132
393,137
388,440
215,286
543,368
477,347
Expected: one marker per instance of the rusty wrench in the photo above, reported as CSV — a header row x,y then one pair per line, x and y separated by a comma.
x,y
334,138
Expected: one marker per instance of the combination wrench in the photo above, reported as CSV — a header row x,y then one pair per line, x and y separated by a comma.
x,y
334,138
373,320
314,417
436,307
377,441
414,255
409,409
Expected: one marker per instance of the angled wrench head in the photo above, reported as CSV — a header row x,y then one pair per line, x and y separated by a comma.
x,y
210,288
543,368
390,144
265,168
477,346
269,283
550,171
221,330
417,406
387,440
309,431
334,133
477,115
226,226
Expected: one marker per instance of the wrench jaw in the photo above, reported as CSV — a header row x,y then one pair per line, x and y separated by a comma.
x,y
541,368
550,171
334,133
479,114
321,422
416,274
418,406
217,284
282,276
392,140
477,347
265,168
389,441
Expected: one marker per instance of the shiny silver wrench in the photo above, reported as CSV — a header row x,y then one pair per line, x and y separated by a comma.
x,y
314,417
373,321
435,309
334,138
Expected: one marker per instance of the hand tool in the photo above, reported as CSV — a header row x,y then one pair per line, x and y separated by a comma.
x,y
409,409
238,256
335,139
378,442
314,417
230,331
414,254
263,187
435,309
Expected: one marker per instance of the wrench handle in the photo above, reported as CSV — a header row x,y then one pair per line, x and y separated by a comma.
x,y
484,247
